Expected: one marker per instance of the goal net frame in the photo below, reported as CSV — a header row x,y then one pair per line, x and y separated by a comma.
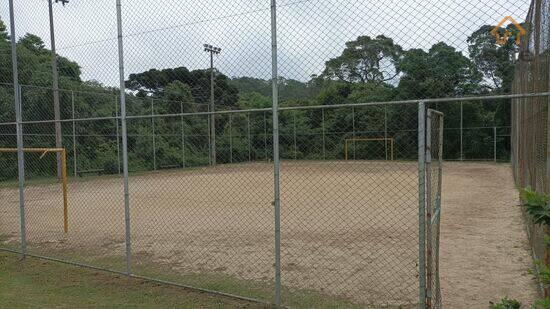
x,y
63,156
386,140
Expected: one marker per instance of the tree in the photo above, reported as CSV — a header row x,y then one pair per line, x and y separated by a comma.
x,y
365,60
494,61
153,83
5,60
289,89
177,91
440,72
33,42
251,84
253,100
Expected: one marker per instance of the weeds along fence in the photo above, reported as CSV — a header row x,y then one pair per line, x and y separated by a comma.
x,y
286,153
530,116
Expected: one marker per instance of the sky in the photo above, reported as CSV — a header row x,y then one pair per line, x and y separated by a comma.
x,y
170,33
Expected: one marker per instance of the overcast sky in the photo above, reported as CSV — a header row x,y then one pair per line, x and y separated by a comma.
x,y
170,33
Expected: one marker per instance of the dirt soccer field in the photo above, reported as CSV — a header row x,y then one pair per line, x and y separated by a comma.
x,y
347,228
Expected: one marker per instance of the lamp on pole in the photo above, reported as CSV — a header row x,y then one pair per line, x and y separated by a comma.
x,y
55,86
212,50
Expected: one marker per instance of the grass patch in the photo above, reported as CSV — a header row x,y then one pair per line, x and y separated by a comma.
x,y
35,283
57,274
294,298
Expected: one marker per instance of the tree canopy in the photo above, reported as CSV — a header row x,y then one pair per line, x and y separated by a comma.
x,y
368,70
365,60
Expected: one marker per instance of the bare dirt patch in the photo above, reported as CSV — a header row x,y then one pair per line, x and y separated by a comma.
x,y
485,254
347,228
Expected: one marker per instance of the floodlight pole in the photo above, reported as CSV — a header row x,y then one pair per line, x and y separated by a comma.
x,y
461,127
212,107
55,84
19,134
212,50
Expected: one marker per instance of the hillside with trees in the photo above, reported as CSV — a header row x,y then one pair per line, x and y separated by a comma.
x,y
369,69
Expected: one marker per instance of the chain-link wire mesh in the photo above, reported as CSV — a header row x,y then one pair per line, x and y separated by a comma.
x,y
194,109
530,116
434,168
339,224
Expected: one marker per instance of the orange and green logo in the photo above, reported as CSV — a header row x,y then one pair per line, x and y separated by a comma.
x,y
503,38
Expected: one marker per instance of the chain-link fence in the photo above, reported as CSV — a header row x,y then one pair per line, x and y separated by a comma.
x,y
530,116
279,152
434,168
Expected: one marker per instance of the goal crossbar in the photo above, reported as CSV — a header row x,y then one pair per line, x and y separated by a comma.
x,y
64,181
386,140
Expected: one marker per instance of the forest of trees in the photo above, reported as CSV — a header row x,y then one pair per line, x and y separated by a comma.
x,y
369,69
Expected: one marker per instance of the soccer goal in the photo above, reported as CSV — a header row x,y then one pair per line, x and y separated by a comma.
x,y
63,161
388,144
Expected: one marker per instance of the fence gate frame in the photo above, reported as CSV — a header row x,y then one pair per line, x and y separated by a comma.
x,y
429,205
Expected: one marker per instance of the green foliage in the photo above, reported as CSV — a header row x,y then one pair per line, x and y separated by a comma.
x,y
369,69
544,274
441,72
506,303
365,60
542,304
537,205
154,82
254,100
494,61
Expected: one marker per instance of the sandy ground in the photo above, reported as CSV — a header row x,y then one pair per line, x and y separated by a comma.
x,y
347,228
484,249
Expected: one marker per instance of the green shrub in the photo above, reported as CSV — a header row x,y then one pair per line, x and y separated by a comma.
x,y
544,272
506,303
536,205
542,304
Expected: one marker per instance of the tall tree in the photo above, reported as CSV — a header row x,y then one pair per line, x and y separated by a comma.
x,y
441,72
365,60
153,82
494,61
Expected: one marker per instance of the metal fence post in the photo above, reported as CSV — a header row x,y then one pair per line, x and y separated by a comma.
x,y
249,140
55,86
230,140
295,142
265,136
421,204
461,127
19,133
276,165
323,129
428,207
117,135
386,130
495,144
353,129
208,135
124,140
74,135
213,115
153,132
182,136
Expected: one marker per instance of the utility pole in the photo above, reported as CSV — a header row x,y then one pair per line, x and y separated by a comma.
x,y
55,85
212,50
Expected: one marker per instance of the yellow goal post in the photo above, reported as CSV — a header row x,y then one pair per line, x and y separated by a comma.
x,y
386,140
63,155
